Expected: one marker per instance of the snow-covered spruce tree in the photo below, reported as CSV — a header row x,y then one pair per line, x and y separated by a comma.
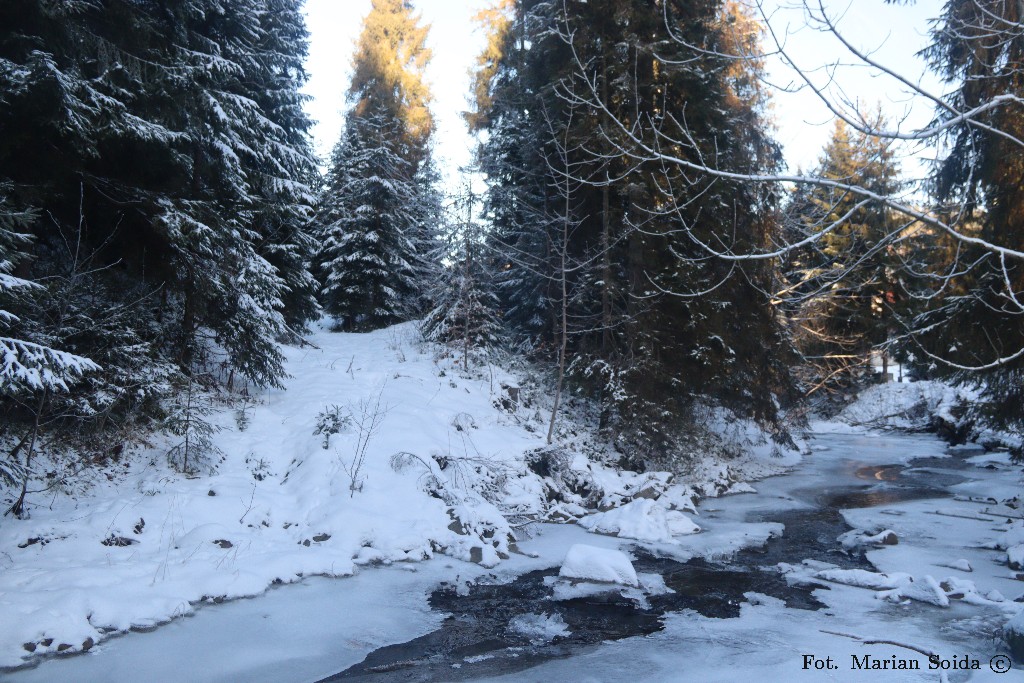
x,y
465,312
427,212
26,365
182,122
366,257
388,75
971,330
287,170
166,145
380,197
248,163
660,328
31,370
847,285
110,406
506,105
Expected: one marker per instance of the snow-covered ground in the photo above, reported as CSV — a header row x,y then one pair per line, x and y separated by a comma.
x,y
428,462
903,406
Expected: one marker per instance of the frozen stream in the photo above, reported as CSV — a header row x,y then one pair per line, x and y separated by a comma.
x,y
730,608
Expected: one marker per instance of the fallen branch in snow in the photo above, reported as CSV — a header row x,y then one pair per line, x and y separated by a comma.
x,y
302,341
988,500
976,518
895,643
880,422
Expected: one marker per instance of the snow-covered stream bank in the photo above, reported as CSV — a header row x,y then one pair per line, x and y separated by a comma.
x,y
380,450
322,627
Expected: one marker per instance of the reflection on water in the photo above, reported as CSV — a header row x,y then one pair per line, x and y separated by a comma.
x,y
925,478
869,497
879,472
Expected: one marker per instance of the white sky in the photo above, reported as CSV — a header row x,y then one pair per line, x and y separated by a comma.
x,y
894,33
890,34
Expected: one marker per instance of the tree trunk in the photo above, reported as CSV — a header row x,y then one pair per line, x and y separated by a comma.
x,y
18,509
467,307
606,242
561,349
565,311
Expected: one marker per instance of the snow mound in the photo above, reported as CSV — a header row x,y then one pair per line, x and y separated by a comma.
x,y
1015,557
858,538
924,589
861,578
590,563
643,520
1014,535
903,405
204,533
960,565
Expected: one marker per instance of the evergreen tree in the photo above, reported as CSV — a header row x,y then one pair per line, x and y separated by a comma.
x,y
427,218
388,74
509,105
849,284
27,365
465,311
659,325
366,256
286,198
381,200
972,330
155,168
165,119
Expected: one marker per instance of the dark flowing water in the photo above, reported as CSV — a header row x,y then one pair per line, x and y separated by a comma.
x,y
478,638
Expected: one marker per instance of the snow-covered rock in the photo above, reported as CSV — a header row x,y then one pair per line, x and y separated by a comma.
x,y
1013,633
1015,556
857,538
643,519
923,589
865,579
590,563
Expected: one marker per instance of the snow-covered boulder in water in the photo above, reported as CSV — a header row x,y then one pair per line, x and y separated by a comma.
x,y
643,519
1015,556
590,563
1013,633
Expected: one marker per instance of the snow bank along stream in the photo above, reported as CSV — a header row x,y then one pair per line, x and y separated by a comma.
x,y
871,538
